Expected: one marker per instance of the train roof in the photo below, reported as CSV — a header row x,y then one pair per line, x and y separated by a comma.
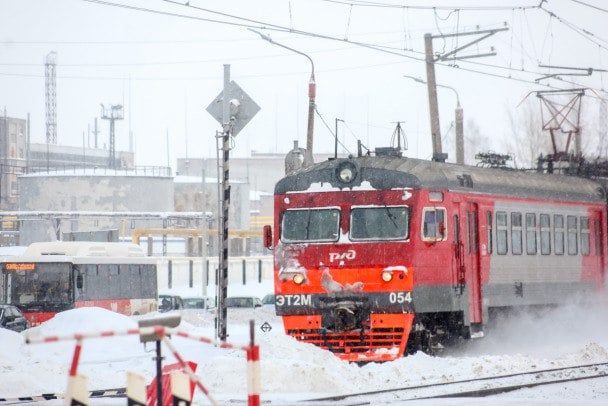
x,y
389,172
83,249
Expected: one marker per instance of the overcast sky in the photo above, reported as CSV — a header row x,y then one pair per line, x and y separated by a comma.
x,y
166,69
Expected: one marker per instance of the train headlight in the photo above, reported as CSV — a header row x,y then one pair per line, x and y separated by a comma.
x,y
387,276
346,172
298,278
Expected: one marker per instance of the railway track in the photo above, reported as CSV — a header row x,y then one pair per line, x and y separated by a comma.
x,y
478,387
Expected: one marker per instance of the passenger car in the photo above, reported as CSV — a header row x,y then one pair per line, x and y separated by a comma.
x,y
11,318
170,302
269,299
197,302
243,301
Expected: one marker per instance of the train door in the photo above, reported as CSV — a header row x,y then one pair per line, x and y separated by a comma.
x,y
595,244
472,262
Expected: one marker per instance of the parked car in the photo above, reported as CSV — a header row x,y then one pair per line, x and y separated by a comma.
x,y
197,302
243,301
11,318
170,302
269,299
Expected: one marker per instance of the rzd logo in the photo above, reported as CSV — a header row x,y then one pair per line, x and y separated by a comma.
x,y
336,256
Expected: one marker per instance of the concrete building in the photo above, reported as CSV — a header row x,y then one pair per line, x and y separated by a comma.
x,y
13,156
88,190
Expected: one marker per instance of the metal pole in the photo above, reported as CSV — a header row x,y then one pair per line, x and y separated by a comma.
x,y
159,375
336,141
312,91
432,90
459,135
204,226
311,116
223,280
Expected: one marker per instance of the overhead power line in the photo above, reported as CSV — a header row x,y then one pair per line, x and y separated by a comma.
x,y
589,5
261,25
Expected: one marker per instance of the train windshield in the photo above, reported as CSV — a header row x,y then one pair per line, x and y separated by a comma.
x,y
310,225
38,286
379,223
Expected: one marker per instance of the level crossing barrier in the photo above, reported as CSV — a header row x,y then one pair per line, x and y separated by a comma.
x,y
76,393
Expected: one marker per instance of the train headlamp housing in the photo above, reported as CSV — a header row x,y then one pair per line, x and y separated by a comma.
x,y
346,172
298,278
387,276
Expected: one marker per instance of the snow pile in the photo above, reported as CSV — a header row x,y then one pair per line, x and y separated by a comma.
x,y
574,334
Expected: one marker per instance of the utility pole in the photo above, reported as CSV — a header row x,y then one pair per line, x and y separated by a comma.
x,y
433,105
458,116
312,93
430,59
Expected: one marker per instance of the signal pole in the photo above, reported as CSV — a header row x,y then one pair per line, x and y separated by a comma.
x,y
233,109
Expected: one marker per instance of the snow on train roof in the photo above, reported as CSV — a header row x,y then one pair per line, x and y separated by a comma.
x,y
392,172
84,249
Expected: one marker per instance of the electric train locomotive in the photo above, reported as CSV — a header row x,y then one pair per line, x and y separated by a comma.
x,y
379,256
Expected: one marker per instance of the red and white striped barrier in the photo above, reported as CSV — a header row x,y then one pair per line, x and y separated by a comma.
x,y
252,351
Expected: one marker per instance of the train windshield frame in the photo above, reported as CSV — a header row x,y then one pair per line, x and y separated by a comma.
x,y
39,286
310,225
379,223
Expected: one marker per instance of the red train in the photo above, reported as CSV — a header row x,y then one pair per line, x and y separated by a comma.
x,y
379,256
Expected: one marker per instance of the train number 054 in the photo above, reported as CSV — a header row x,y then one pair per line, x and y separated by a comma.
x,y
400,297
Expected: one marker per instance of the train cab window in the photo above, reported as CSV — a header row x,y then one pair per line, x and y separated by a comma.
x,y
558,234
545,234
433,224
516,233
530,233
489,230
379,223
301,225
585,242
572,232
501,233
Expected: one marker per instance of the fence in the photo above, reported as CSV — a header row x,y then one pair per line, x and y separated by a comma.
x,y
196,271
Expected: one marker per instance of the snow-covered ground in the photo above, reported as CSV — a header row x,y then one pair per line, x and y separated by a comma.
x,y
574,334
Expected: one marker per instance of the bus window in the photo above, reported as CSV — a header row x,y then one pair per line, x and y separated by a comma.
x,y
433,224
44,287
310,225
379,223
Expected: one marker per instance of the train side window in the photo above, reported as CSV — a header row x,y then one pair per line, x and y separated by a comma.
x,y
530,233
501,233
545,234
433,224
558,234
572,232
585,246
489,230
516,233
